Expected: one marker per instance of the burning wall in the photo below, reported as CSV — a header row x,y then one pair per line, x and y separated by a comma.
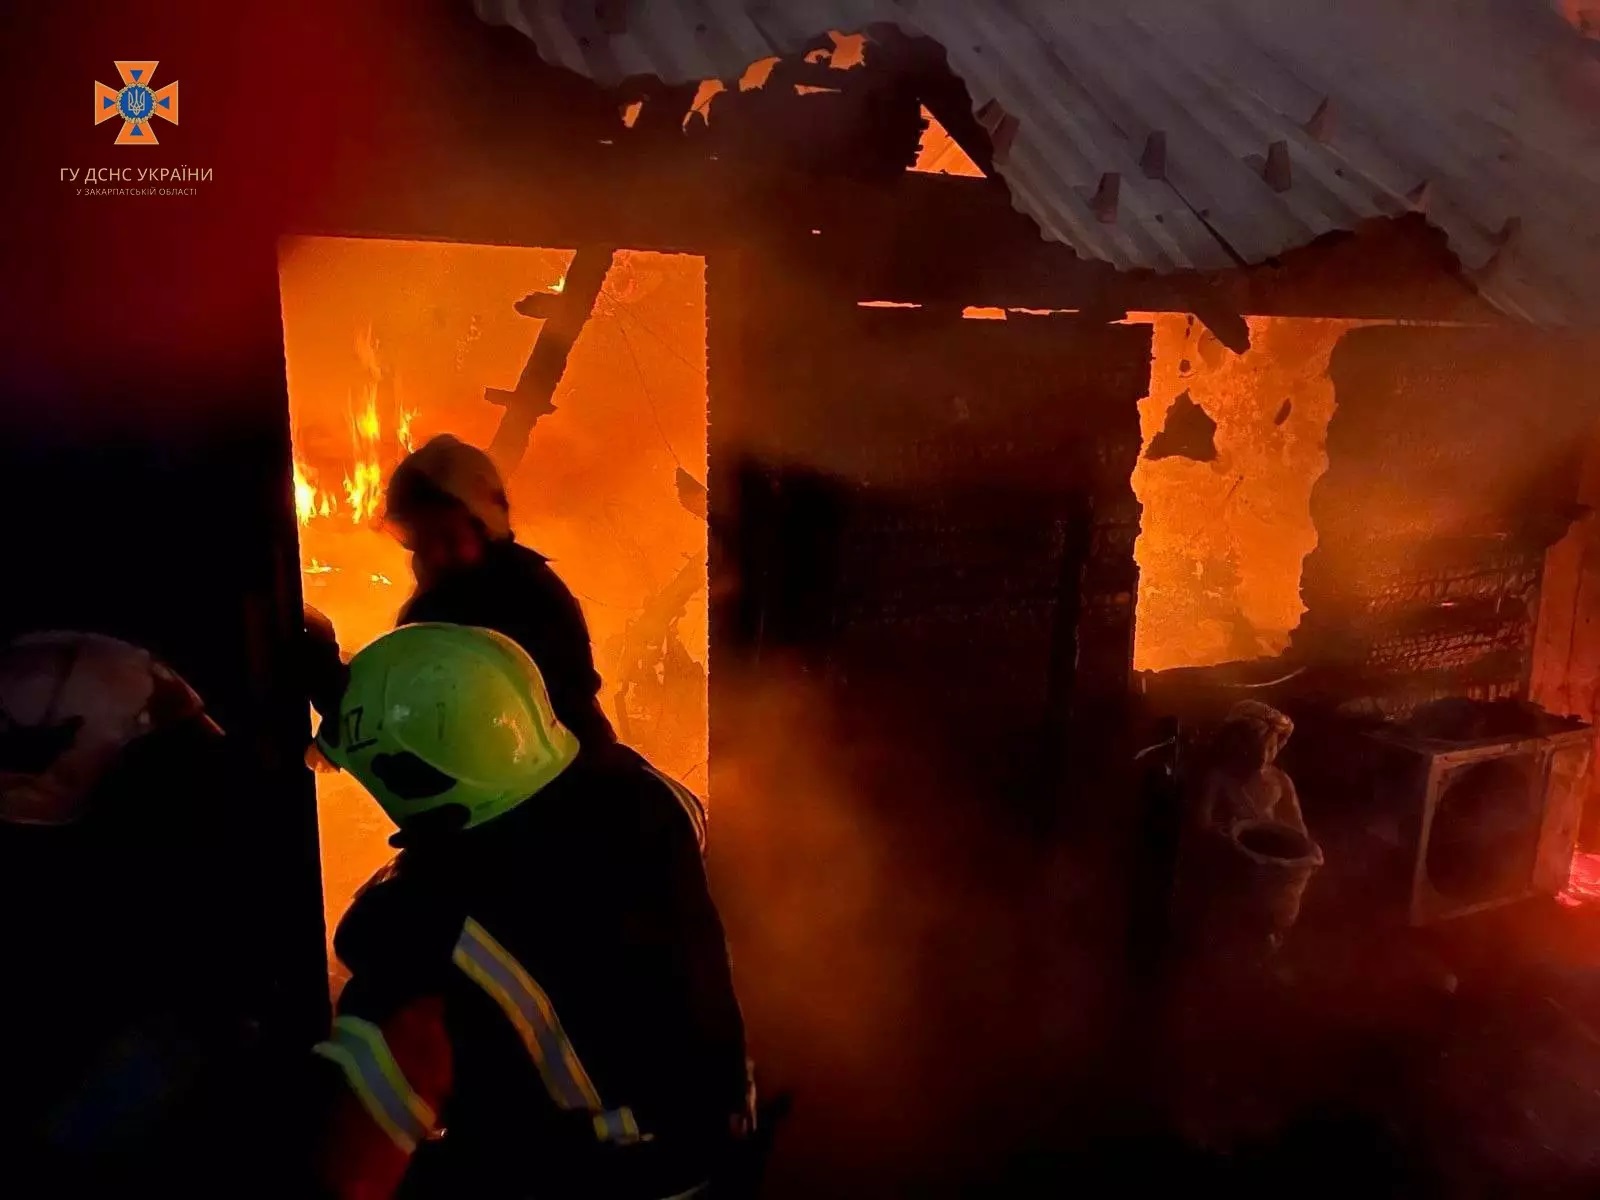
x,y
389,343
1233,444
1453,452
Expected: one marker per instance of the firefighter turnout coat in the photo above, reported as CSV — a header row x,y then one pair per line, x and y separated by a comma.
x,y
541,1005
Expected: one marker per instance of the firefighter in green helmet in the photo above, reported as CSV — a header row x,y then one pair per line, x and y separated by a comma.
x,y
539,1000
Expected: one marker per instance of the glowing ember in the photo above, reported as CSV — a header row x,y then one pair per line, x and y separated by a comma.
x,y
1583,881
560,285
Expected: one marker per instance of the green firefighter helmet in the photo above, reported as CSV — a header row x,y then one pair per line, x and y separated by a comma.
x,y
447,719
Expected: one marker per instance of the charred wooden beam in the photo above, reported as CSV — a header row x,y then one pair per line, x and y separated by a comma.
x,y
533,396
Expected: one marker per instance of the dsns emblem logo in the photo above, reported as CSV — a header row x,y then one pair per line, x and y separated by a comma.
x,y
136,103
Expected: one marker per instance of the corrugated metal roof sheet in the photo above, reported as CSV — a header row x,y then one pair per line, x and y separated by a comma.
x,y
1485,113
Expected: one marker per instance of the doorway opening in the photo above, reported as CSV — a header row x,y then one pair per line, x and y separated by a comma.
x,y
390,343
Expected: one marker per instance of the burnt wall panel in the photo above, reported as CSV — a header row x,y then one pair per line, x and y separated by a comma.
x,y
959,491
1453,459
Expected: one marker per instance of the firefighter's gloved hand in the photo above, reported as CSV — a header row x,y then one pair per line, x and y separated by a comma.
x,y
322,667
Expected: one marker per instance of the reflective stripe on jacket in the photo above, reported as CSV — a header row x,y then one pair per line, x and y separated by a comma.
x,y
579,965
359,1049
491,966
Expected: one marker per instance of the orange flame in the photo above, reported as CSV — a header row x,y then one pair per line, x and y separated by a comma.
x,y
362,489
370,450
357,399
368,426
305,494
363,483
309,500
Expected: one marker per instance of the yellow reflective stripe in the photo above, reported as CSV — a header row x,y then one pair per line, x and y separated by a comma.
x,y
618,1126
493,968
358,1049
488,964
372,1038
347,1063
688,801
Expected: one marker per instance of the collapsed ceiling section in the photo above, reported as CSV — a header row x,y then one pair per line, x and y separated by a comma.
x,y
1165,135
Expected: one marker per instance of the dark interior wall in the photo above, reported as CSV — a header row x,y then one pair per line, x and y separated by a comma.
x,y
933,513
921,557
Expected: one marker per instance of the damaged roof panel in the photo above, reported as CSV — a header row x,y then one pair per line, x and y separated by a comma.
x,y
1235,129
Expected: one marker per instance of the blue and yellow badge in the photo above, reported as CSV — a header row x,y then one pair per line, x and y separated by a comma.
x,y
136,103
